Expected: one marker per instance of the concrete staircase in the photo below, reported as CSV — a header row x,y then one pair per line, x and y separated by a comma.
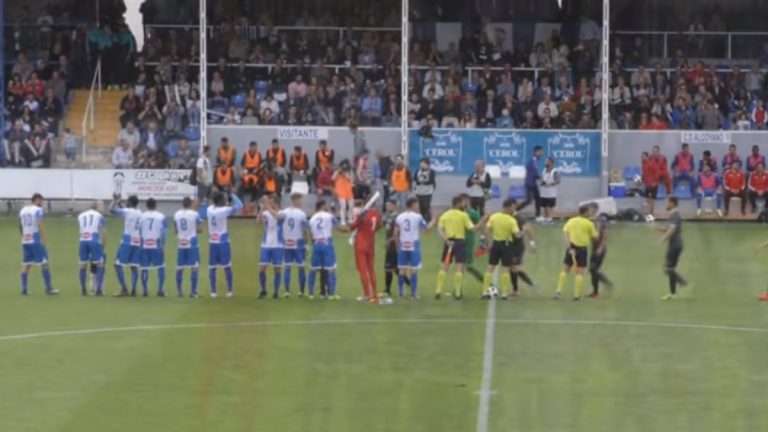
x,y
106,117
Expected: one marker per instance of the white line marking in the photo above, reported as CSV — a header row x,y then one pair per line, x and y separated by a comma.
x,y
73,332
485,383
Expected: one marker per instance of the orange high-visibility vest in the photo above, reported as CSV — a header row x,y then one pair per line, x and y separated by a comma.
x,y
252,161
300,162
276,156
400,181
325,158
343,187
224,177
270,184
227,156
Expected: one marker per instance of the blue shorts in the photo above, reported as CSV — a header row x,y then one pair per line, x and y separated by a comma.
x,y
188,258
409,259
219,255
271,256
33,254
295,256
323,257
128,255
152,258
91,253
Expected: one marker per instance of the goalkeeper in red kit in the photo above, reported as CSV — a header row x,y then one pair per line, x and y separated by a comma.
x,y
365,225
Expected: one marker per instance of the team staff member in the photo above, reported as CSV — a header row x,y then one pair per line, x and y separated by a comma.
x,y
324,157
298,165
276,157
758,185
532,181
479,183
654,171
598,251
579,232
673,237
227,154
251,164
400,181
502,228
734,181
453,226
474,216
224,178
424,187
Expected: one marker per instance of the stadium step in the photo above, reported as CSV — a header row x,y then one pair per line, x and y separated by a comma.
x,y
106,117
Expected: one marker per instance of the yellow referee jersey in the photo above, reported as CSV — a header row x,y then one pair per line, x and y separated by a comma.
x,y
580,230
455,224
503,227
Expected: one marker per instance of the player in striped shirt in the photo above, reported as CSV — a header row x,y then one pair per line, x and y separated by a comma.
x,y
33,243
129,252
220,254
154,228
186,224
296,237
91,248
271,254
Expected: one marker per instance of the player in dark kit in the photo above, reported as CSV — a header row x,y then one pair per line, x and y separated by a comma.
x,y
390,257
598,252
516,272
674,238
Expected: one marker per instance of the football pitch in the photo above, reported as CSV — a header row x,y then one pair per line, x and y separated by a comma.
x,y
624,362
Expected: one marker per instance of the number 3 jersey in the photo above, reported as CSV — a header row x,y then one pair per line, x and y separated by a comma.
x,y
410,225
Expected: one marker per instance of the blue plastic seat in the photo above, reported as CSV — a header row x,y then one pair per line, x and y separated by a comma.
x,y
631,172
238,101
495,191
261,87
662,193
683,191
516,192
192,133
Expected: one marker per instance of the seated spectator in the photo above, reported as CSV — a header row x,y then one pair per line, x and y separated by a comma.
x,y
683,116
186,157
52,110
174,119
233,117
547,104
566,121
708,116
505,121
742,122
129,107
758,186
153,139
122,156
372,108
709,186
586,121
754,159
250,117
467,121
760,115
657,123
298,88
39,148
267,118
131,135
731,157
733,184
269,103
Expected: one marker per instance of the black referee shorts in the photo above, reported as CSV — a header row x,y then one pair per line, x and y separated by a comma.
x,y
580,254
458,252
501,252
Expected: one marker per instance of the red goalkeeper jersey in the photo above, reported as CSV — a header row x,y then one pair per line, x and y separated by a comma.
x,y
366,227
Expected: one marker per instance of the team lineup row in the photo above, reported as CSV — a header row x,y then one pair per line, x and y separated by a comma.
x,y
288,233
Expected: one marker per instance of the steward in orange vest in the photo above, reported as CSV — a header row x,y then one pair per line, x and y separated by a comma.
x,y
400,179
226,153
224,178
276,154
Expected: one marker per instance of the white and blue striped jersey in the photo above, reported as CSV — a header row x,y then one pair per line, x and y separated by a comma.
x,y
273,231
90,222
153,229
218,232
131,225
294,226
410,225
186,223
321,226
29,217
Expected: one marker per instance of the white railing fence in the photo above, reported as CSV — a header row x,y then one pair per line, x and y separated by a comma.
x,y
89,119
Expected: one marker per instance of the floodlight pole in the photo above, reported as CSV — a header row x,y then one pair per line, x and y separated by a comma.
x,y
605,89
404,45
203,84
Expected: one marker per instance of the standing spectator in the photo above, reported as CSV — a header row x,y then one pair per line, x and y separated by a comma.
x,y
758,186
683,116
683,168
122,157
759,115
550,178
204,177
400,181
708,116
532,178
733,185
424,187
69,142
478,183
754,159
129,107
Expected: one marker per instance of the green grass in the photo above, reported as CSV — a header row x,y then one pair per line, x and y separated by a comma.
x,y
390,374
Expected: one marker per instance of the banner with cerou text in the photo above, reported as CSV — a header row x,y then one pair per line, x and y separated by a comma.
x,y
302,133
455,151
705,137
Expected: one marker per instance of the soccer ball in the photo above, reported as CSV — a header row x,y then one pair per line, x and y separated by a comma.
x,y
492,292
649,218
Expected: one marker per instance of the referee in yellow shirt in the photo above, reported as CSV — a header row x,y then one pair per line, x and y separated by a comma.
x,y
453,226
502,228
579,232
